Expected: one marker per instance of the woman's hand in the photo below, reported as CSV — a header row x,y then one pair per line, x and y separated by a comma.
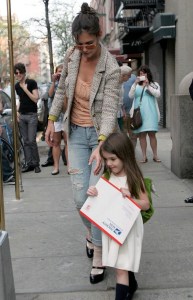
x,y
96,156
49,135
125,192
137,80
23,85
92,191
146,81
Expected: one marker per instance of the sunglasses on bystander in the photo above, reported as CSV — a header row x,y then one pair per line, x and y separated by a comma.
x,y
18,72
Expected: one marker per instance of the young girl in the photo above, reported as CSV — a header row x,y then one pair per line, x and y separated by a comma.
x,y
119,157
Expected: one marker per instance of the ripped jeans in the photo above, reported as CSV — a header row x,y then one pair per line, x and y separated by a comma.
x,y
81,143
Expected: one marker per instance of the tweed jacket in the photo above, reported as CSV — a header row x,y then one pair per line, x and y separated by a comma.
x,y
104,94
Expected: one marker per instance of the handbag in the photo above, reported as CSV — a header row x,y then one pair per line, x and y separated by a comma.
x,y
136,121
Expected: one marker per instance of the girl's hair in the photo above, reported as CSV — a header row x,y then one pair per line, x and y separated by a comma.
x,y
146,69
121,145
87,20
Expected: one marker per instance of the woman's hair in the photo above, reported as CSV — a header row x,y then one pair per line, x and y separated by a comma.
x,y
20,67
121,145
146,69
86,20
59,67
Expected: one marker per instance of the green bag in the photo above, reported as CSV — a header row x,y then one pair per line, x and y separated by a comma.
x,y
146,214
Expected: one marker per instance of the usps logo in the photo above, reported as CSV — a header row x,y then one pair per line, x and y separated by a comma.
x,y
117,231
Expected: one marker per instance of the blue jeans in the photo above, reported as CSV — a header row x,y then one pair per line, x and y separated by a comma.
x,y
81,143
28,129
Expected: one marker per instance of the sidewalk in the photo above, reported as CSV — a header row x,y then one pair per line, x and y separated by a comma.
x,y
47,240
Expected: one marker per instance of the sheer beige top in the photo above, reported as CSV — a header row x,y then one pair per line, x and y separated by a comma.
x,y
80,114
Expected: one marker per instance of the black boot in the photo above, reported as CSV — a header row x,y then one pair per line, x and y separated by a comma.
x,y
122,292
132,282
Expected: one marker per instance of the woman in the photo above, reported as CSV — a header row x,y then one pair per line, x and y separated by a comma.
x,y
90,80
58,126
149,90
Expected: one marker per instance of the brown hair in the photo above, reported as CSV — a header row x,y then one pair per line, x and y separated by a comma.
x,y
86,20
20,67
59,67
146,69
121,145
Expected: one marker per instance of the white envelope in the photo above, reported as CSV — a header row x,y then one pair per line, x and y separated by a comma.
x,y
110,211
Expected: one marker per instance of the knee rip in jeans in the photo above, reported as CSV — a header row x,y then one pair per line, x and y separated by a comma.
x,y
75,171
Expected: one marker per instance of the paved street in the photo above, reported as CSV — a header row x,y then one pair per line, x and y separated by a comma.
x,y
47,240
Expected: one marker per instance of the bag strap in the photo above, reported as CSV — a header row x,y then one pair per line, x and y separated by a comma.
x,y
141,96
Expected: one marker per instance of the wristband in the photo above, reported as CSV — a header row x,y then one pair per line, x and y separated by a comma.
x,y
101,137
52,118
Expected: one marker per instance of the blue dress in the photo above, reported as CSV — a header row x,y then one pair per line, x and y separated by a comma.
x,y
148,110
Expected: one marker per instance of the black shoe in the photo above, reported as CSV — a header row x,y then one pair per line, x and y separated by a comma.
x,y
10,180
95,278
47,163
189,200
37,169
55,172
123,292
89,251
27,169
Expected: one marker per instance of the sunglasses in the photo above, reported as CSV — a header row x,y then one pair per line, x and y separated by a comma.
x,y
87,47
18,72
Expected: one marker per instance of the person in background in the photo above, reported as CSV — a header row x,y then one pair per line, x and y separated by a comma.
x,y
121,115
8,171
191,89
145,85
90,81
7,86
190,199
55,152
1,86
59,131
119,157
127,101
27,90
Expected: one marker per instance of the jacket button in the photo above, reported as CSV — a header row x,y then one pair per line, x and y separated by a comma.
x,y
93,115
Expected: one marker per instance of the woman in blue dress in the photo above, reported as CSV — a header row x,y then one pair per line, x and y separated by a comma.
x,y
149,110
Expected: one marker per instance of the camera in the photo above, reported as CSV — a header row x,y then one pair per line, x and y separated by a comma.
x,y
142,78
58,77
